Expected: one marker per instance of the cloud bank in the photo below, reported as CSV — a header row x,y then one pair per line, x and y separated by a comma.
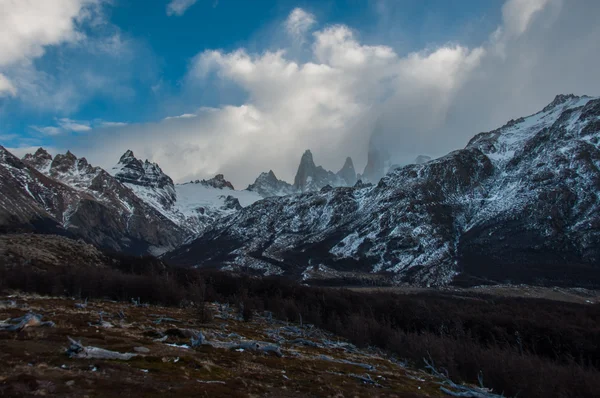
x,y
425,102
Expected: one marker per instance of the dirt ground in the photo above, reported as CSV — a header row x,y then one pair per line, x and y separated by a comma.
x,y
34,362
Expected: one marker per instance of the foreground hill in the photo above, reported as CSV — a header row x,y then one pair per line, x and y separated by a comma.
x,y
519,203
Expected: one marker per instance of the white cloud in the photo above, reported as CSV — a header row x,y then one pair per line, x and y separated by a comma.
x,y
517,14
27,26
182,116
112,124
179,7
71,125
299,23
6,87
48,130
65,125
426,102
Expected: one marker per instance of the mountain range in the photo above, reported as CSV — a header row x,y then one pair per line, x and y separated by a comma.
x,y
518,204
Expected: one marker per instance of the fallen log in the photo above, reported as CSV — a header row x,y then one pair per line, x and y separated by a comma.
x,y
78,350
26,321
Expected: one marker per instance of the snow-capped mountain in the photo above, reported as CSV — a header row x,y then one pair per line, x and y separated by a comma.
x,y
267,185
309,178
519,203
137,209
70,197
193,205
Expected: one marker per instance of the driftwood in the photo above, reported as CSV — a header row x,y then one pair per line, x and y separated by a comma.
x,y
78,350
458,390
27,321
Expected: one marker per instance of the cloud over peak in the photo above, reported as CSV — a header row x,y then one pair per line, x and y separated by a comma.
x,y
339,93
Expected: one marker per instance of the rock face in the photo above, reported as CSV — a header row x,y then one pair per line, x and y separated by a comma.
x,y
378,164
40,160
311,177
148,176
218,182
267,185
76,199
347,172
518,204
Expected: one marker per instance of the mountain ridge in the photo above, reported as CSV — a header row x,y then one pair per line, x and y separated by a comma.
x,y
515,196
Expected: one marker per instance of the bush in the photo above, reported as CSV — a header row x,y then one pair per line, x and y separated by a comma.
x,y
524,347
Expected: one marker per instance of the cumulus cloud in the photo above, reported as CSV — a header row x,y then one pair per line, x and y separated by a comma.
x,y
88,45
179,7
298,23
28,26
424,102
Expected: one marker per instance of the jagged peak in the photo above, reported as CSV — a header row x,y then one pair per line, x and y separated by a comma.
x,y
127,155
307,158
218,181
561,99
41,152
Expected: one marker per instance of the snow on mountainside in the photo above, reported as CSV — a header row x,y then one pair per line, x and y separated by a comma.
x,y
519,203
76,199
193,205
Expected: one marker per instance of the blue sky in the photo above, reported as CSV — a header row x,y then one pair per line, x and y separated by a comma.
x,y
99,75
165,45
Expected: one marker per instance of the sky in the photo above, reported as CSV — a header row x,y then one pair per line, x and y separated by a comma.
x,y
240,87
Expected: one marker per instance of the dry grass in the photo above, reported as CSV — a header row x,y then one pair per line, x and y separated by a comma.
x,y
33,361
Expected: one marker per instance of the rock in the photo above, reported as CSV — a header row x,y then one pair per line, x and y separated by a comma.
x,y
267,185
141,350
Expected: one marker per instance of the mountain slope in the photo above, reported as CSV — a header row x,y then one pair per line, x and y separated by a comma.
x,y
192,206
518,203
77,199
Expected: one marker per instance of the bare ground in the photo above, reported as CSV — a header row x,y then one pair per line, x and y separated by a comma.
x,y
33,361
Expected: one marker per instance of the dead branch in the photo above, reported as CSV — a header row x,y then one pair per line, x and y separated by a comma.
x,y
78,350
458,390
27,321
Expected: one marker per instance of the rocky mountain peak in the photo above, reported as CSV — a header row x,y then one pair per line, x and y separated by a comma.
x,y
63,163
310,177
218,182
127,156
131,170
268,185
558,100
347,172
377,165
40,160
